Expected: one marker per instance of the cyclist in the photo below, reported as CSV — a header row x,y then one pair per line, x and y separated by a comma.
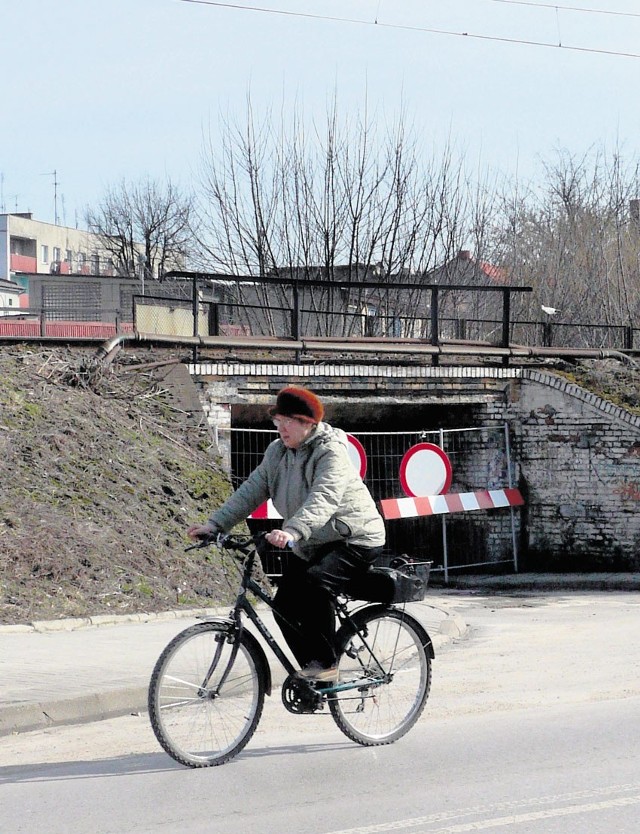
x,y
330,522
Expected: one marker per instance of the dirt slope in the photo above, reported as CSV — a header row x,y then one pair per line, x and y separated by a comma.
x,y
100,473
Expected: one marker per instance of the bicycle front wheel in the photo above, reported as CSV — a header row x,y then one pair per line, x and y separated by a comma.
x,y
206,695
390,654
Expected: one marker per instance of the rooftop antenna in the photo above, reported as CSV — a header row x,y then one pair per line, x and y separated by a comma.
x,y
54,174
2,205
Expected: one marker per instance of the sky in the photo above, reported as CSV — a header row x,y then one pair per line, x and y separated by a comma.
x,y
97,91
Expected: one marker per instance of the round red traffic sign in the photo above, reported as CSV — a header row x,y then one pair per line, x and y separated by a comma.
x,y
425,470
357,455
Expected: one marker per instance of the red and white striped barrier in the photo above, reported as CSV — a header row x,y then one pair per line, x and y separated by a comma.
x,y
266,510
452,502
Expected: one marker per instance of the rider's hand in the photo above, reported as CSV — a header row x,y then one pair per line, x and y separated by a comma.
x,y
279,538
203,531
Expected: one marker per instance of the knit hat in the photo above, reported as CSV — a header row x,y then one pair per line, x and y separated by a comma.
x,y
299,403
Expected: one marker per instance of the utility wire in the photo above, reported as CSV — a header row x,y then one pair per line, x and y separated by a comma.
x,y
406,27
566,8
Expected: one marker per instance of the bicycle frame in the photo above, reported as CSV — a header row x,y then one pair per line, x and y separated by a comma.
x,y
244,606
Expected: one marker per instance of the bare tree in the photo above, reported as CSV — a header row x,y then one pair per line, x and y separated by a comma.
x,y
574,240
340,202
145,226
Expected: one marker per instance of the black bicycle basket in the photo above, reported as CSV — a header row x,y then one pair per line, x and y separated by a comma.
x,y
409,579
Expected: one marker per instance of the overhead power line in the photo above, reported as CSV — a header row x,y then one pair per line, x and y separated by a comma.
x,y
425,29
556,7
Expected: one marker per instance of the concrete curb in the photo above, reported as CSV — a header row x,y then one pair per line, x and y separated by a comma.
x,y
511,582
21,718
527,582
97,706
74,623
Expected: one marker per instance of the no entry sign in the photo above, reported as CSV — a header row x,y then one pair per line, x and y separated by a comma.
x,y
425,470
357,455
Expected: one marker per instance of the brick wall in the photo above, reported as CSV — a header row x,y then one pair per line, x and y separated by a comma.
x,y
578,460
575,457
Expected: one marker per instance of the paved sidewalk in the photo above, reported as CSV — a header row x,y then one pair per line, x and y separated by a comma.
x,y
72,671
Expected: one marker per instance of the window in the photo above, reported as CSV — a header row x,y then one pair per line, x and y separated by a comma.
x,y
57,254
45,254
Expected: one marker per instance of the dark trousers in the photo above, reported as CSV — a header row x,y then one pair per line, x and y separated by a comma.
x,y
304,602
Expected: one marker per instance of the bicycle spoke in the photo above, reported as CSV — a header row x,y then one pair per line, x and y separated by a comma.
x,y
202,726
388,704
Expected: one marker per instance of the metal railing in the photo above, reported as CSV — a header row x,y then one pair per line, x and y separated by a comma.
x,y
274,306
432,314
206,317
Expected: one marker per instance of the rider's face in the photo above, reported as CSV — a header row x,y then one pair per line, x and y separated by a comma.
x,y
292,432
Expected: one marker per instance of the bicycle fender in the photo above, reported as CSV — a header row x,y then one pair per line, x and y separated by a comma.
x,y
346,631
427,642
260,656
227,622
227,625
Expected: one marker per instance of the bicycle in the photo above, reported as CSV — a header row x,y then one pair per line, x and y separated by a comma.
x,y
208,687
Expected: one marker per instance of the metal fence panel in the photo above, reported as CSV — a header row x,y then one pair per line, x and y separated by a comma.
x,y
480,459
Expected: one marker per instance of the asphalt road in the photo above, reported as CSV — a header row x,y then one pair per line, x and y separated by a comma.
x,y
533,726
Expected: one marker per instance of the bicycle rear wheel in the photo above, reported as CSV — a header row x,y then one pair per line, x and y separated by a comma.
x,y
391,654
206,695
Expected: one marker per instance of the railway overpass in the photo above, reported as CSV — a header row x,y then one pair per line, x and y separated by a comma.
x,y
506,413
573,455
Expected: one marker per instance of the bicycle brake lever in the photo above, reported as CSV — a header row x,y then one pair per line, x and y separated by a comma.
x,y
196,546
206,541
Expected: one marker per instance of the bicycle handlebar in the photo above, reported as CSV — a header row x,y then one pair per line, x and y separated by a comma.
x,y
203,541
231,542
227,541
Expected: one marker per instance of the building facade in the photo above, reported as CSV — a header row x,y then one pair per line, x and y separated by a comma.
x,y
10,295
29,246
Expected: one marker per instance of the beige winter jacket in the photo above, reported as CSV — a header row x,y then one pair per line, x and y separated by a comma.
x,y
316,490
